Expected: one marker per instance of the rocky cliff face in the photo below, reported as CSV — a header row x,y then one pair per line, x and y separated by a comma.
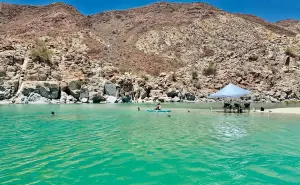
x,y
165,52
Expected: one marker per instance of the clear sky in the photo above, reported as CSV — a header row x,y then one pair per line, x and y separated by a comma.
x,y
272,10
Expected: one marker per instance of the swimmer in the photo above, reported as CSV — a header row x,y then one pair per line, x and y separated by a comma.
x,y
189,111
52,113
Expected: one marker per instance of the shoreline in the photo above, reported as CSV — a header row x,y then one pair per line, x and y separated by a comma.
x,y
287,110
269,110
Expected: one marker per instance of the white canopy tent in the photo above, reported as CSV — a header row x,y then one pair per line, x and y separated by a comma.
x,y
230,91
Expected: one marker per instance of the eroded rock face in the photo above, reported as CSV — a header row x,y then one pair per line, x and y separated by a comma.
x,y
110,89
49,90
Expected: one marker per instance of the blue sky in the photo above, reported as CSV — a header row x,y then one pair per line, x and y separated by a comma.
x,y
272,10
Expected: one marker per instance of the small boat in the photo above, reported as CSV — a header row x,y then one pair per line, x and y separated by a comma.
x,y
151,110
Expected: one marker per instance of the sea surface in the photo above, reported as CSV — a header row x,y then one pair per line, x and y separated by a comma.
x,y
117,145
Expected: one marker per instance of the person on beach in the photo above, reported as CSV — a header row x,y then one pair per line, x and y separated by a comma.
x,y
158,107
138,109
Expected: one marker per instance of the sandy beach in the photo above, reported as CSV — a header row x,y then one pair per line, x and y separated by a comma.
x,y
291,110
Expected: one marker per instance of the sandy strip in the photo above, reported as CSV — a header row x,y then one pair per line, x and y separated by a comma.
x,y
292,110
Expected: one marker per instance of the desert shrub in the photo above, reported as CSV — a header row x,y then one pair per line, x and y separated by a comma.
x,y
207,52
194,75
290,52
210,70
198,85
174,77
40,52
145,77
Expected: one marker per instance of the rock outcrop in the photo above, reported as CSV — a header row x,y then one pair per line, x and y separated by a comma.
x,y
161,52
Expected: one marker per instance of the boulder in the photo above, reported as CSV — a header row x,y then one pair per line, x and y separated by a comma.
x,y
14,85
64,86
34,97
274,100
74,87
75,94
50,90
110,89
63,97
127,99
172,93
27,88
97,97
144,93
70,99
190,97
84,95
84,100
5,93
162,75
111,99
136,92
175,99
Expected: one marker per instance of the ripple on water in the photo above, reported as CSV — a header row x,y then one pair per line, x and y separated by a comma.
x,y
100,146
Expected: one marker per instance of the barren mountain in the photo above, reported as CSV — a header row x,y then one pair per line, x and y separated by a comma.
x,y
33,21
161,51
290,24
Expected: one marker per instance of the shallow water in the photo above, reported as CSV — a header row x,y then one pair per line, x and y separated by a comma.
x,y
113,144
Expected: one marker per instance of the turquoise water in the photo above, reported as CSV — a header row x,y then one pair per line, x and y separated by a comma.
x,y
113,144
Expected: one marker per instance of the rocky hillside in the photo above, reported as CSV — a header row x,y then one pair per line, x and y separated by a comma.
x,y
168,52
290,24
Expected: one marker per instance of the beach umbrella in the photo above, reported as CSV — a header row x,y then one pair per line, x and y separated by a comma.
x,y
230,91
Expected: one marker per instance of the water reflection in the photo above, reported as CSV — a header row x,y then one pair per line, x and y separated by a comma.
x,y
230,127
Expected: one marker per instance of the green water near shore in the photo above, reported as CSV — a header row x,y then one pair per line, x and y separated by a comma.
x,y
115,144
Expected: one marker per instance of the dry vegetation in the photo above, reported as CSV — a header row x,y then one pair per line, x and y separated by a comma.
x,y
210,70
290,52
40,52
